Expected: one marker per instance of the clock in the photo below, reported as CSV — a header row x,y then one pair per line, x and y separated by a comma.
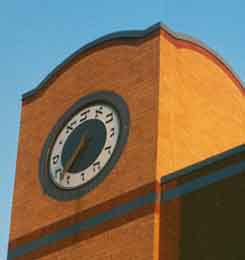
x,y
84,145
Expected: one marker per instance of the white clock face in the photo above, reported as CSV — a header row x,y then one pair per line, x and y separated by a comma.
x,y
84,146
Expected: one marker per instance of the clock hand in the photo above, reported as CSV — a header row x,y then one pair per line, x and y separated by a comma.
x,y
81,146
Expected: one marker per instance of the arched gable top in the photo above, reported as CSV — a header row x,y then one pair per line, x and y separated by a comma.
x,y
178,39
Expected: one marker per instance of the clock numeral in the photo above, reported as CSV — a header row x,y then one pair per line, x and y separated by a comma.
x,y
112,132
57,173
96,166
84,115
55,159
68,179
109,118
62,175
108,148
70,127
98,112
83,176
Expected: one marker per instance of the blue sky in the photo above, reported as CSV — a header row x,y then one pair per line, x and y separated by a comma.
x,y
38,35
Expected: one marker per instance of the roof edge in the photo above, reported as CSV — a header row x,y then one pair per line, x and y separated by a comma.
x,y
132,34
203,164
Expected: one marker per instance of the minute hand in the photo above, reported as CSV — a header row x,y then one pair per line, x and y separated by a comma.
x,y
74,155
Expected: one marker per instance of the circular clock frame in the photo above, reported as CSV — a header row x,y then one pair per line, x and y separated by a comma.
x,y
108,98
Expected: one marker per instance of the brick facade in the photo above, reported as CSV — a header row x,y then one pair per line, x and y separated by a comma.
x,y
176,119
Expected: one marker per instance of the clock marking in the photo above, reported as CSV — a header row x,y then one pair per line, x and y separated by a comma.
x,y
57,173
70,127
55,158
84,115
83,176
96,166
97,113
68,179
108,148
112,132
61,174
110,118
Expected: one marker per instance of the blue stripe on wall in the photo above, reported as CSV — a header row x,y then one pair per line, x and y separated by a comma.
x,y
203,181
83,225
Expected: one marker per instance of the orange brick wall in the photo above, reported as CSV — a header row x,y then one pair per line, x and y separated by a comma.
x,y
201,109
185,106
129,68
201,113
130,241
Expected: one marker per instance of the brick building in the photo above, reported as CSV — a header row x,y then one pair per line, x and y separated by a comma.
x,y
131,149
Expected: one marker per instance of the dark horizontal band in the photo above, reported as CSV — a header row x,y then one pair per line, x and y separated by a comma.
x,y
84,225
204,181
204,173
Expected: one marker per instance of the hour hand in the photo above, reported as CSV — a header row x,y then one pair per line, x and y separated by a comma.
x,y
79,148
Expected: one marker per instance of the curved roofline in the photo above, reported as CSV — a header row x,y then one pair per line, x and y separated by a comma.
x,y
139,34
182,40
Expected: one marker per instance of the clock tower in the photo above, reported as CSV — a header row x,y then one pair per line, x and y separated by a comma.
x,y
99,134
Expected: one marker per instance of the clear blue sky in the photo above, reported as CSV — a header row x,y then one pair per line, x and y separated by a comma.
x,y
35,36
